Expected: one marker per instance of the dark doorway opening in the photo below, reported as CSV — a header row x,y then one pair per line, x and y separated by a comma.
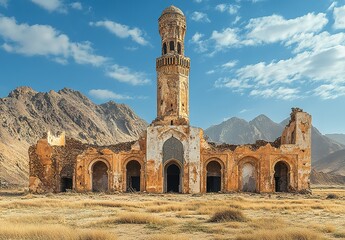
x,y
133,176
173,178
213,180
281,177
66,183
99,177
213,184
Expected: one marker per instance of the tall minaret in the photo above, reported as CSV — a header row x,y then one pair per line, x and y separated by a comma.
x,y
172,70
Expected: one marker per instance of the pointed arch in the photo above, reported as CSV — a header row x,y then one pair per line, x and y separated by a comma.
x,y
171,46
281,176
173,149
164,49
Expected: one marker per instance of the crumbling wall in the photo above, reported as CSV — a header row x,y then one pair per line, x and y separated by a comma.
x,y
293,149
50,164
59,140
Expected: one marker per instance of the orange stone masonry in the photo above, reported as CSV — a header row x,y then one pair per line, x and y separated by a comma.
x,y
171,155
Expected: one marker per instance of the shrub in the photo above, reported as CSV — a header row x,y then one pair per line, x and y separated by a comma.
x,y
331,196
228,216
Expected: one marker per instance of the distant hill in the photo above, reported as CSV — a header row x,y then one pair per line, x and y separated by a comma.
x,y
25,115
326,178
332,163
239,131
340,138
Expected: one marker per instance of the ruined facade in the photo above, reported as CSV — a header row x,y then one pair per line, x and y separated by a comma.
x,y
171,155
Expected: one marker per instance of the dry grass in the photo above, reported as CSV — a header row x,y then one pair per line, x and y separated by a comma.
x,y
52,232
150,216
138,218
228,216
279,234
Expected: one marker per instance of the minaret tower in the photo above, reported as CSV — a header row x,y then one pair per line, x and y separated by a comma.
x,y
172,70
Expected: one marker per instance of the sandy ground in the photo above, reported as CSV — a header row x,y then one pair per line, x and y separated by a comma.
x,y
180,216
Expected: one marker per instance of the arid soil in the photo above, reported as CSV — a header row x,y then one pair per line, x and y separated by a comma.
x,y
173,216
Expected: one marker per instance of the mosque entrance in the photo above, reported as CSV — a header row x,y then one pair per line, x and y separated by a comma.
x,y
173,178
213,181
281,177
133,176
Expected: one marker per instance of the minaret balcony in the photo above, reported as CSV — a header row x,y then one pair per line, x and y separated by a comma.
x,y
177,60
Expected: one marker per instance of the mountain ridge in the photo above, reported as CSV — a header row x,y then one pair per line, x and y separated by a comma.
x,y
27,114
263,128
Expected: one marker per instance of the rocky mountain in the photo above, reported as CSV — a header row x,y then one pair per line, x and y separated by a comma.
x,y
239,131
340,138
322,178
25,115
332,163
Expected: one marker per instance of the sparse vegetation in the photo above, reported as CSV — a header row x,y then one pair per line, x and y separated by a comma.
x,y
51,232
181,216
279,234
332,196
228,216
138,218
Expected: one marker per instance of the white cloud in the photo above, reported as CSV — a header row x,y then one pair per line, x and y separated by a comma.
x,y
227,38
230,8
4,3
237,19
230,64
221,7
275,28
122,31
132,49
201,44
310,41
76,5
317,66
339,18
105,94
200,17
210,72
332,6
126,75
44,40
278,93
50,5
198,1
238,85
330,91
308,69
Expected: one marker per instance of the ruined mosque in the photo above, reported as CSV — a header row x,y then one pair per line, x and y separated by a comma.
x,y
171,155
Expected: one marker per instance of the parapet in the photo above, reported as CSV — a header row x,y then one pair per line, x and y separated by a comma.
x,y
58,140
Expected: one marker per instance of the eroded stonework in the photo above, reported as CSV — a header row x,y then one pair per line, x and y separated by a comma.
x,y
172,156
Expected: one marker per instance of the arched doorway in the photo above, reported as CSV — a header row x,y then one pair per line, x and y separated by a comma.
x,y
214,178
281,177
248,178
173,178
99,177
133,176
66,178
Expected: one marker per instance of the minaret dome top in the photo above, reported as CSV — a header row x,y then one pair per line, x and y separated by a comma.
x,y
172,9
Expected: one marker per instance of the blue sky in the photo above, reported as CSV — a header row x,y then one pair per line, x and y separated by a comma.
x,y
248,57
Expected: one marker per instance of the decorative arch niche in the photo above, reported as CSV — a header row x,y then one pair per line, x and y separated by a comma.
x,y
173,149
